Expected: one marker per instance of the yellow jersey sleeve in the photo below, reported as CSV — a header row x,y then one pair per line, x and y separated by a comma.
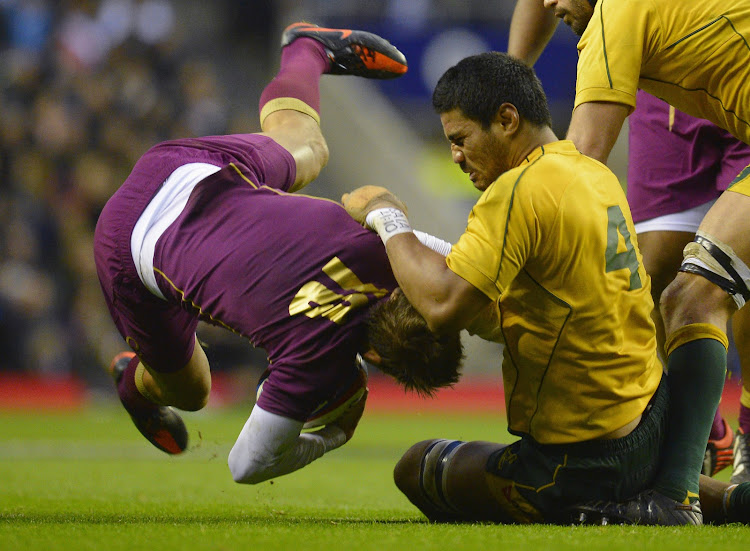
x,y
694,55
612,49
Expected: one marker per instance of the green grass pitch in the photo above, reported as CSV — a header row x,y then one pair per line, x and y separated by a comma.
x,y
87,480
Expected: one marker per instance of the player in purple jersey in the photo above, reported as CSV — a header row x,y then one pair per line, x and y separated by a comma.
x,y
678,166
207,229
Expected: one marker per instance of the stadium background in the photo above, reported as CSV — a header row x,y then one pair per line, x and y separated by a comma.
x,y
87,86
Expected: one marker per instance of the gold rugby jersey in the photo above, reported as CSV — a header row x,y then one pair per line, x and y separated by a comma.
x,y
693,54
552,243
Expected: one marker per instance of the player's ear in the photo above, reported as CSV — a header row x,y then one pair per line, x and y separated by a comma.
x,y
372,357
507,118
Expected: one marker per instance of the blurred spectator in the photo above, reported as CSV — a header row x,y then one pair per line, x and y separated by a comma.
x,y
85,88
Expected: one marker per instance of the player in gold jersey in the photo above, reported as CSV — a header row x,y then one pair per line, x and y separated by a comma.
x,y
696,57
549,246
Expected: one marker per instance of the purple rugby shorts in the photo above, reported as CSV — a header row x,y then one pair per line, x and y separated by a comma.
x,y
677,162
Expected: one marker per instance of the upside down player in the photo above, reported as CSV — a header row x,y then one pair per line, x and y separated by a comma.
x,y
678,166
206,229
550,244
696,57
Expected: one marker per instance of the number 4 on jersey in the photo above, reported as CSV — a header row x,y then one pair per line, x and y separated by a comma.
x,y
617,227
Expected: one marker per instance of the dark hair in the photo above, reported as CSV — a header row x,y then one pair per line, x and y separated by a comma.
x,y
478,85
416,357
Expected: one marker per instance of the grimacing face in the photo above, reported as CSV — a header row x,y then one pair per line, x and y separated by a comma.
x,y
480,153
574,13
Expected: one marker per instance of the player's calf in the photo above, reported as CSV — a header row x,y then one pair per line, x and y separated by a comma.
x,y
160,425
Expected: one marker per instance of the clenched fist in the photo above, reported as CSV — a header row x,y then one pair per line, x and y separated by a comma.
x,y
365,199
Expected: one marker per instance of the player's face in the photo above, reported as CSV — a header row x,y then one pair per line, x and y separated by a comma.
x,y
480,153
574,13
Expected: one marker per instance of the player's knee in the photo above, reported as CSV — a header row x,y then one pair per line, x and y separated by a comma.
x,y
693,299
423,471
406,471
422,475
671,298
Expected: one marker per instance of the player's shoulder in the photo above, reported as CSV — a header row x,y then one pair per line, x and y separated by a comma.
x,y
555,161
561,170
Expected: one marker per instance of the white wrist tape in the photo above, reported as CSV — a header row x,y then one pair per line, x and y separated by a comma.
x,y
388,222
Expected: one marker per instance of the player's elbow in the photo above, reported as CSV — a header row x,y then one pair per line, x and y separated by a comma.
x,y
442,319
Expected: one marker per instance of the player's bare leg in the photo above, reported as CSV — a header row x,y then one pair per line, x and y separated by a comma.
x,y
299,134
187,388
696,312
290,104
662,256
724,502
447,480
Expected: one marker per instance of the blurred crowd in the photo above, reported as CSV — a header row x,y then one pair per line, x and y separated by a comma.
x,y
85,88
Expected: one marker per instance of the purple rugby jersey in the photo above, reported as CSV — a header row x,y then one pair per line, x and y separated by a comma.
x,y
676,165
294,274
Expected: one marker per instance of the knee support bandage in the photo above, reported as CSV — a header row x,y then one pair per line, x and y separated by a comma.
x,y
433,473
718,263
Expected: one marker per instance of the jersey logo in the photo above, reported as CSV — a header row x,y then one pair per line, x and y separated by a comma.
x,y
616,258
314,299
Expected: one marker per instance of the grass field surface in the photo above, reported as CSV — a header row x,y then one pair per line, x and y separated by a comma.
x,y
87,480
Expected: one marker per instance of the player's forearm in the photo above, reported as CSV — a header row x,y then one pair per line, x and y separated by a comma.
x,y
445,300
307,449
531,28
427,282
271,445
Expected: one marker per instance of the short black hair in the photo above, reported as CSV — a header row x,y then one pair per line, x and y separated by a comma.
x,y
478,85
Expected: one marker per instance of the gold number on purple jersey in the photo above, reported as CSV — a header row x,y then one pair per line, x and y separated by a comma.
x,y
620,252
316,300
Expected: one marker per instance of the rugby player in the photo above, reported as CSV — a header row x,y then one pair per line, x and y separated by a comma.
x,y
550,244
678,166
209,229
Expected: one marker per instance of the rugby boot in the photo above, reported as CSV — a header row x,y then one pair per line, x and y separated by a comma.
x,y
719,453
160,425
352,52
647,508
741,470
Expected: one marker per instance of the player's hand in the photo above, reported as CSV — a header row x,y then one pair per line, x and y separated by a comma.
x,y
350,419
360,202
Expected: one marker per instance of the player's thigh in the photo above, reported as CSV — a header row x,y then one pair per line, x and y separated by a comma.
x,y
662,256
728,220
163,336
